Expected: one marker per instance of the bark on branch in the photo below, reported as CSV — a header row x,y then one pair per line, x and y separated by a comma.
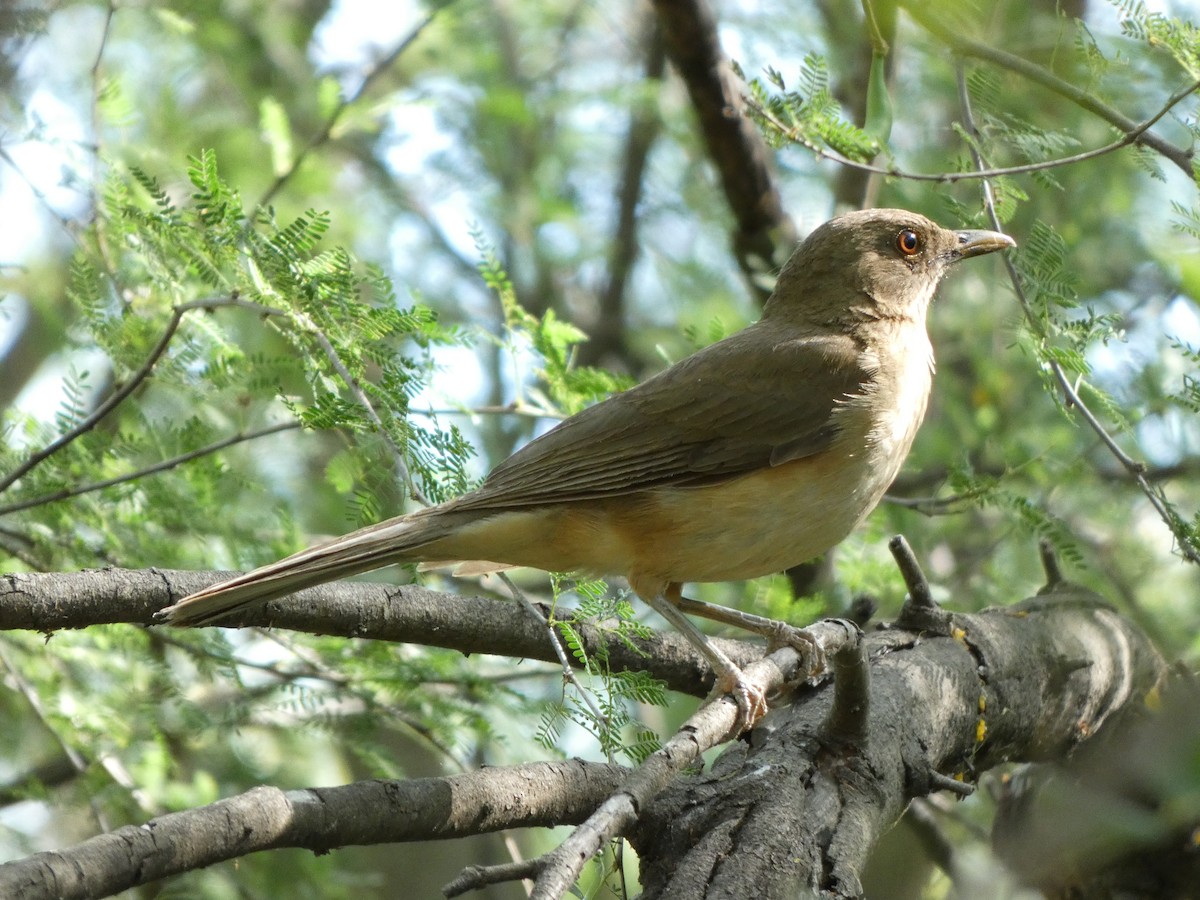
x,y
54,601
791,814
795,809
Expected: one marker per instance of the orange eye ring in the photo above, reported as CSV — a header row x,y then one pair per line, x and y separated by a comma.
x,y
908,242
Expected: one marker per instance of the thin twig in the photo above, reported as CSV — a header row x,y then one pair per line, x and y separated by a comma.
x,y
568,673
360,395
38,194
1131,136
95,77
968,47
1071,395
118,396
521,408
935,506
163,466
327,129
35,703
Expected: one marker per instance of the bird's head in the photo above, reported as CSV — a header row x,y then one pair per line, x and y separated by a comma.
x,y
873,264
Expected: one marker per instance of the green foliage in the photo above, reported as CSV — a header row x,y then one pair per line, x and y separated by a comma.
x,y
1178,37
605,711
809,114
567,387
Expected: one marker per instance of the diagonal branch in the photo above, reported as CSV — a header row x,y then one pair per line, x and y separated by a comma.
x,y
135,380
334,117
1132,136
966,46
1072,399
765,233
712,724
154,469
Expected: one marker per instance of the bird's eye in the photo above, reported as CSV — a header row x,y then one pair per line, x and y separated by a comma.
x,y
908,242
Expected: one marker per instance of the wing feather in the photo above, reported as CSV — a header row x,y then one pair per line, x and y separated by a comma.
x,y
750,401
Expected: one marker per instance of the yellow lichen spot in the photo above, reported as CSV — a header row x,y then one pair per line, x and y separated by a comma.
x,y
982,703
980,730
1153,699
958,634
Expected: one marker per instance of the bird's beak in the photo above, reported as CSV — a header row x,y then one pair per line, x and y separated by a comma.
x,y
977,243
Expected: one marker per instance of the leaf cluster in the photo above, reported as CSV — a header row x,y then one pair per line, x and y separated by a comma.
x,y
807,113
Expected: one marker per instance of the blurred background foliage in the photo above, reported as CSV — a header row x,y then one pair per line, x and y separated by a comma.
x,y
427,199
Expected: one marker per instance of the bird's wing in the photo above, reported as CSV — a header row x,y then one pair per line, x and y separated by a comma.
x,y
750,401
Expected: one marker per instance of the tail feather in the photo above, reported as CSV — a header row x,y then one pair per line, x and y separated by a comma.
x,y
360,551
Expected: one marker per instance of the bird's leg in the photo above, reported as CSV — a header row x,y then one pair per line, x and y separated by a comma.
x,y
751,701
777,633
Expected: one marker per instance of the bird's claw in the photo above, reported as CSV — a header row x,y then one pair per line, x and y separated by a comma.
x,y
750,698
812,654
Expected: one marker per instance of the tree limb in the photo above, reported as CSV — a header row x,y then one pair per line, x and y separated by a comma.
x,y
765,233
317,819
48,602
791,814
1027,682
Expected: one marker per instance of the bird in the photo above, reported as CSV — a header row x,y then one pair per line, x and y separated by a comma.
x,y
754,454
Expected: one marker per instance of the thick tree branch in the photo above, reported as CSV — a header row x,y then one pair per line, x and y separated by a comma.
x,y
765,234
1026,682
318,819
49,602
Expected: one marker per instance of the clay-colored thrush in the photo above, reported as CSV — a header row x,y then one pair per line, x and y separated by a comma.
x,y
755,454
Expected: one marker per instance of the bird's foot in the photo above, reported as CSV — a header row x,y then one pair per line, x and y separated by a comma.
x,y
812,655
750,698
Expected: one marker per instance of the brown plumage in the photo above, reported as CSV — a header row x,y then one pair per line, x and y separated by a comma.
x,y
753,455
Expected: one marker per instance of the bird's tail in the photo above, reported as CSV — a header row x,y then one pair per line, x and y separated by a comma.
x,y
373,547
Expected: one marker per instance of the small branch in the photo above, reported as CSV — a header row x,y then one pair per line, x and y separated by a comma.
x,y
62,221
1133,135
967,47
564,660
1054,576
118,396
933,506
163,466
97,180
848,719
940,782
473,878
914,579
920,612
327,129
361,396
1071,395
520,408
30,783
